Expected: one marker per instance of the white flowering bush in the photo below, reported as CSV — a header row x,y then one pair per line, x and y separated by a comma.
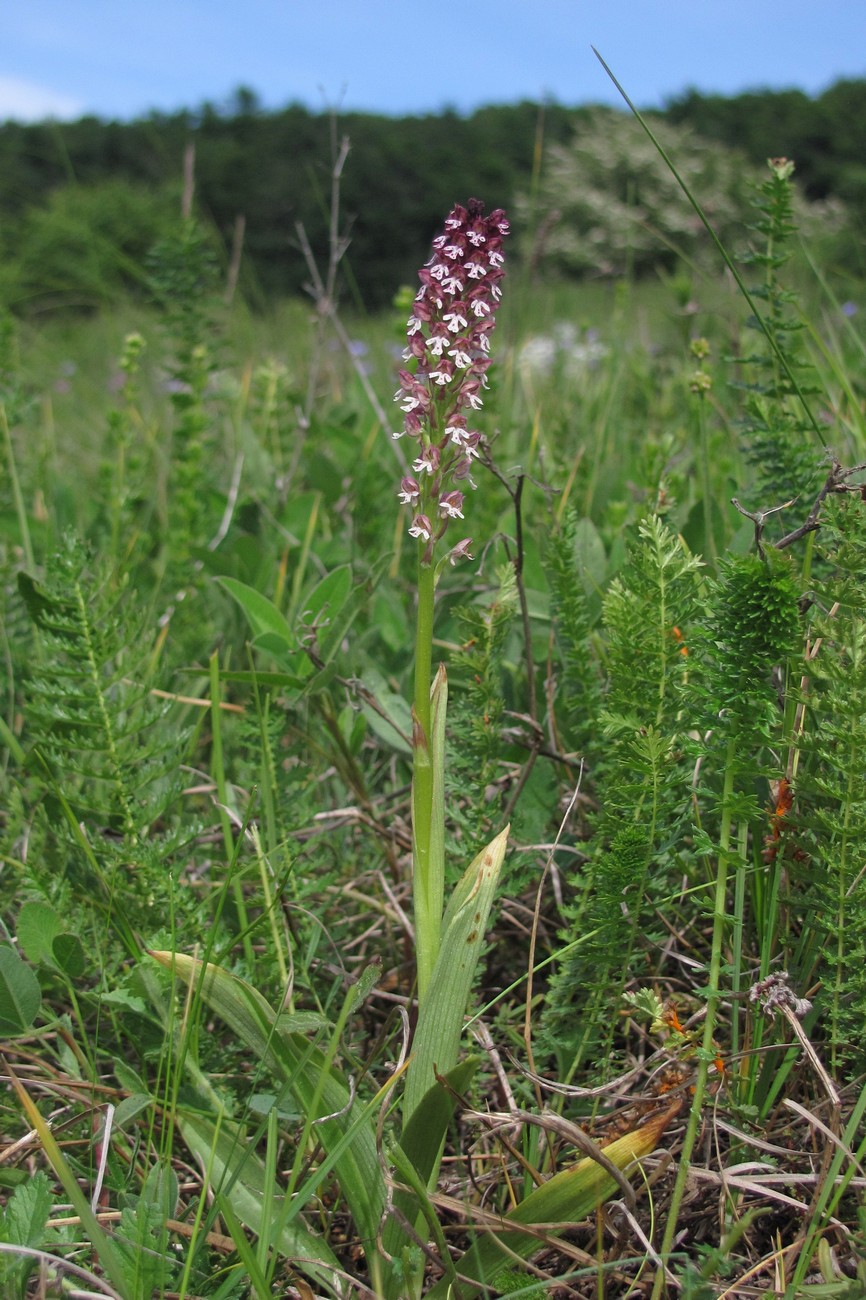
x,y
608,204
566,350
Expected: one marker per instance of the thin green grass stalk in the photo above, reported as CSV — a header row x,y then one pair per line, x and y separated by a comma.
x,y
17,497
738,929
184,1035
707,1054
834,1187
839,371
10,740
701,384
603,425
765,891
303,559
428,1213
765,906
122,423
165,1008
266,1257
268,790
350,1003
198,1219
258,1280
269,422
219,776
270,908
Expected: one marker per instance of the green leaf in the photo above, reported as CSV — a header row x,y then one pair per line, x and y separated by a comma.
x,y
123,997
68,955
12,1178
363,987
328,612
161,1189
131,1106
320,608
422,1135
392,719
440,1021
273,643
26,1214
20,998
299,662
37,928
46,608
142,1243
421,1144
590,557
261,613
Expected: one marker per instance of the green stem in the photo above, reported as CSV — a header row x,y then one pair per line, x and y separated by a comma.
x,y
707,1052
709,536
17,495
428,916
737,938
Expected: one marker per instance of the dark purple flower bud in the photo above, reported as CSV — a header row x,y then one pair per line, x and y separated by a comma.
x,y
417,347
461,551
451,505
462,469
428,461
410,491
443,373
421,528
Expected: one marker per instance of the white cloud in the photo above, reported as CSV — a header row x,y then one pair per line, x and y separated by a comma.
x,y
28,102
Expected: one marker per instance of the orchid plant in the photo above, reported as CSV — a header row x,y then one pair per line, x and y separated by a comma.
x,y
387,1183
448,351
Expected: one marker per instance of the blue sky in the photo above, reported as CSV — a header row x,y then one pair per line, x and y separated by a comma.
x,y
120,58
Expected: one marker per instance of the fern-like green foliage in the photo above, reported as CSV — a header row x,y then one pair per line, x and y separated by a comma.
x,y
579,684
102,750
753,629
124,488
597,938
641,785
648,612
780,433
183,281
827,843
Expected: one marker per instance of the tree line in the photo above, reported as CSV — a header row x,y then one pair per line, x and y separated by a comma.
x,y
81,202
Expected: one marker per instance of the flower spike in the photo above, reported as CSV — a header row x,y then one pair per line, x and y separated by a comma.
x,y
448,346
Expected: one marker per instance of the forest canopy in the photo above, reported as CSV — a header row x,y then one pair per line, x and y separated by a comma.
x,y
81,201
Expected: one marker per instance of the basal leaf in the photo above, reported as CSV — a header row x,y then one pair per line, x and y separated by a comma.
x,y
261,613
20,997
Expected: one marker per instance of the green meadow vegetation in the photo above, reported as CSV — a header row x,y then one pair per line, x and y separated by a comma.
x,y
377,926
